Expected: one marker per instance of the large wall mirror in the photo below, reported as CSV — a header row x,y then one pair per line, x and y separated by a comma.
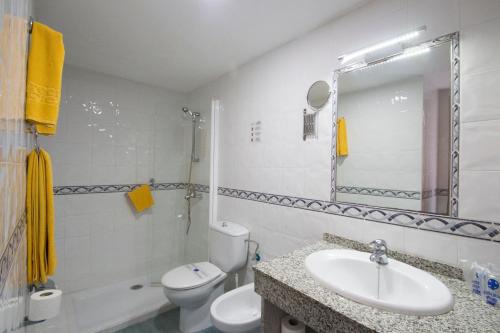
x,y
396,130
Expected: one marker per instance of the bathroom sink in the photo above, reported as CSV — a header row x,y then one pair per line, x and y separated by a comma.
x,y
395,287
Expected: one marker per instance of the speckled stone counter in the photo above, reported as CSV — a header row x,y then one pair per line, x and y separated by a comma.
x,y
284,284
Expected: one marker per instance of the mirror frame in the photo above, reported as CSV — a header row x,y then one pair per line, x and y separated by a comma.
x,y
453,189
326,99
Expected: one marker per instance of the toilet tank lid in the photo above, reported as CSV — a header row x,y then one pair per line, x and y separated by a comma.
x,y
230,228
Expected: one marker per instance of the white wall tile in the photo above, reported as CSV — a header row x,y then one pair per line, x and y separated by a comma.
x,y
77,226
478,11
478,250
480,141
480,47
479,193
479,96
76,247
431,245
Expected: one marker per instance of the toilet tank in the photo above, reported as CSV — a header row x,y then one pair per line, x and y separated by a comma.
x,y
228,249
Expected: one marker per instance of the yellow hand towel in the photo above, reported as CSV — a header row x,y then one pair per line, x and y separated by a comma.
x,y
141,198
41,256
342,146
45,66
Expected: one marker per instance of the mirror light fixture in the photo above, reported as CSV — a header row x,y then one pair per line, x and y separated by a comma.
x,y
393,41
411,52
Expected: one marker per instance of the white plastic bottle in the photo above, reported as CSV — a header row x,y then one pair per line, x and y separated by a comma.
x,y
477,280
491,285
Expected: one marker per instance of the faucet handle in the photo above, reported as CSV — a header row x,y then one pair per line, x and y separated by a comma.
x,y
378,244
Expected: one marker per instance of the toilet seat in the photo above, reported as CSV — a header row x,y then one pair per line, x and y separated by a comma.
x,y
191,276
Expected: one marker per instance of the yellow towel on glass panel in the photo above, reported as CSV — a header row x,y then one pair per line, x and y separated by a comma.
x,y
41,256
342,146
141,198
43,83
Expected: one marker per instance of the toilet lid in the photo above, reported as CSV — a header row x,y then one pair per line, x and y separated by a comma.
x,y
190,276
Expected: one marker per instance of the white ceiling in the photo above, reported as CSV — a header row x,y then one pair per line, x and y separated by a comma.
x,y
180,44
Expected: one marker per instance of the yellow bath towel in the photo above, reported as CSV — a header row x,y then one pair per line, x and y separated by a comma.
x,y
141,198
43,83
342,146
41,256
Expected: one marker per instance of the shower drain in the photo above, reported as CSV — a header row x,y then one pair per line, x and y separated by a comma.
x,y
136,286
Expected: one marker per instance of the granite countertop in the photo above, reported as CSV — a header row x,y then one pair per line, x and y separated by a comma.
x,y
284,282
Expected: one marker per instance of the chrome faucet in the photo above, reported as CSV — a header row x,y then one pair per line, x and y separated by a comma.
x,y
379,254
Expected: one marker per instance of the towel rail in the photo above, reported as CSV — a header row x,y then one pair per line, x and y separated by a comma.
x,y
30,24
33,128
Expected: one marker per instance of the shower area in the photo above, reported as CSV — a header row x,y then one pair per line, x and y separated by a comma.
x,y
116,134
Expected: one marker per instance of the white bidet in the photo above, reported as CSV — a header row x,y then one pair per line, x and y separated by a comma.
x,y
237,311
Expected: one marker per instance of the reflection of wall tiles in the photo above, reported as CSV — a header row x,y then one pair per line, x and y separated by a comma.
x,y
401,194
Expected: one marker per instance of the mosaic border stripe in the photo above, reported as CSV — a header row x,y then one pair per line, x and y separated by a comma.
x,y
391,193
453,38
437,192
10,252
114,188
461,227
379,192
437,223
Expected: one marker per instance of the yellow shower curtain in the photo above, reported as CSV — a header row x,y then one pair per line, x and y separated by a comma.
x,y
42,260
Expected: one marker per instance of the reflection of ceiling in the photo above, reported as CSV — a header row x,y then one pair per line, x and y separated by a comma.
x,y
180,44
434,66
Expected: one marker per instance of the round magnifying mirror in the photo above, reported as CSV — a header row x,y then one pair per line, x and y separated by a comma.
x,y
318,95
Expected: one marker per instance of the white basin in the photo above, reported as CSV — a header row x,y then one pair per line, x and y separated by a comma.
x,y
395,287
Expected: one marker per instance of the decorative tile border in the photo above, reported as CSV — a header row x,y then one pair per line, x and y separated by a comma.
x,y
453,38
437,192
390,193
202,188
9,254
455,124
411,219
379,192
92,189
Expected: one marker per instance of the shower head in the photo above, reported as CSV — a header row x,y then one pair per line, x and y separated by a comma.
x,y
190,113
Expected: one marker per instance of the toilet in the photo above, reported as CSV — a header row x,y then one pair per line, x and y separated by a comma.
x,y
193,287
237,311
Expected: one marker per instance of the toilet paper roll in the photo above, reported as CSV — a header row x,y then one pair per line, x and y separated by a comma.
x,y
292,325
44,304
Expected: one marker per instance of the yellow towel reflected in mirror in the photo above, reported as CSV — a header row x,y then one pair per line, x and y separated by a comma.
x,y
342,146
141,198
41,256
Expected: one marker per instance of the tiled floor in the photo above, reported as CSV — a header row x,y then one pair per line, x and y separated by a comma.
x,y
167,322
